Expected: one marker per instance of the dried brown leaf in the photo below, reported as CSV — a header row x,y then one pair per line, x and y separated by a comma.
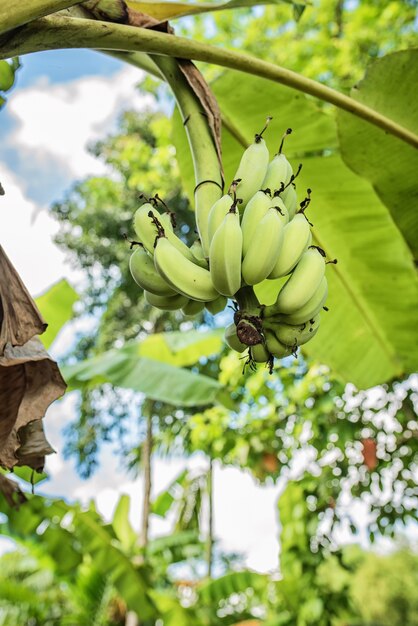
x,y
20,319
29,380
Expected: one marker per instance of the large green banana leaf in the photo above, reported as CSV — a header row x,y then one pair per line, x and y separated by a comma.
x,y
366,335
56,306
154,367
388,163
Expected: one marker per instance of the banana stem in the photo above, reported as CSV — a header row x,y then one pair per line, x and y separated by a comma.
x,y
14,14
247,300
208,176
65,32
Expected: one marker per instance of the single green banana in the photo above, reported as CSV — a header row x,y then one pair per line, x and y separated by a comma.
x,y
218,305
254,212
192,308
303,282
145,224
290,199
296,239
144,228
217,214
264,248
252,170
141,265
278,173
293,335
165,303
311,309
274,346
181,273
225,254
197,250
231,338
259,353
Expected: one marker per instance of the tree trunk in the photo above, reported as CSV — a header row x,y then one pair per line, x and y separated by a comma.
x,y
209,541
146,462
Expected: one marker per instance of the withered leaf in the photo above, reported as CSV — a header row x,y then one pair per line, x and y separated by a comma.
x,y
29,380
20,319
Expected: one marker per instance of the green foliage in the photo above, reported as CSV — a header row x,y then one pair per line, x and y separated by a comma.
x,y
389,164
304,593
384,588
307,413
156,379
56,306
332,42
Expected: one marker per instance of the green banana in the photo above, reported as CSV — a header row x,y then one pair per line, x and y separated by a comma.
x,y
193,307
197,250
218,305
217,214
296,239
166,303
254,212
259,353
290,199
303,282
231,338
141,265
144,228
278,173
225,254
264,248
146,219
252,170
274,346
311,309
181,273
293,335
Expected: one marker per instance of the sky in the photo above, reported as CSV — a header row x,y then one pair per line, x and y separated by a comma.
x,y
63,101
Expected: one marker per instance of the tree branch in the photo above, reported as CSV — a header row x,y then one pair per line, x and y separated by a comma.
x,y
62,32
14,14
208,175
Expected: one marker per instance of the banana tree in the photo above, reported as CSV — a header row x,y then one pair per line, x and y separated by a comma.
x,y
370,318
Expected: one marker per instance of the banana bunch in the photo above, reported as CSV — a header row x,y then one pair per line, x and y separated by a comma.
x,y
255,232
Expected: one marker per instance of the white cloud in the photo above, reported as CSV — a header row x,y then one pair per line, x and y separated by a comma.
x,y
56,122
28,243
